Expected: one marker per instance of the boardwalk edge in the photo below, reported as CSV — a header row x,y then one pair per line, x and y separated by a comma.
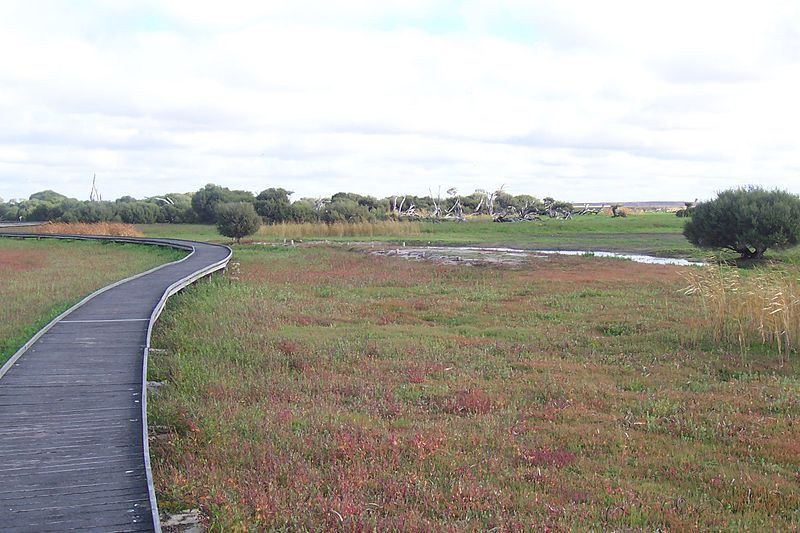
x,y
170,291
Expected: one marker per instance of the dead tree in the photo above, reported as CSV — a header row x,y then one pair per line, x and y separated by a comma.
x,y
456,211
557,209
515,214
436,214
94,194
512,214
401,211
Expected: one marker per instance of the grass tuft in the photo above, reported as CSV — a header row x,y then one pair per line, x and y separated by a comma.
x,y
761,307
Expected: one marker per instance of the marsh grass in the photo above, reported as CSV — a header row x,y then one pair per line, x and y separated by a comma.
x,y
320,230
760,307
114,229
327,390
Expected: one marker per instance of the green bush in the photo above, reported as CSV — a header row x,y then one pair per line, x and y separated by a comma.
x,y
274,206
237,220
747,221
206,200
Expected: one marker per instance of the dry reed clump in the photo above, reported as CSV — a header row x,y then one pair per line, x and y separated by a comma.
x,y
114,229
763,307
340,229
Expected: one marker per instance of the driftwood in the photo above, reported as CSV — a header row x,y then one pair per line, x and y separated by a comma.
x,y
455,213
550,208
589,210
403,211
512,214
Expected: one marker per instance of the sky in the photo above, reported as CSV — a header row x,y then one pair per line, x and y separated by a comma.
x,y
578,100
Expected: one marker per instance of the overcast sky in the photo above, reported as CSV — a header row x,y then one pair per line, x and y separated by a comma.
x,y
579,100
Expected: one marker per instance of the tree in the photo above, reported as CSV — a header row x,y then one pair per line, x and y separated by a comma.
x,y
344,210
303,211
206,200
273,204
174,207
48,196
237,220
747,221
136,212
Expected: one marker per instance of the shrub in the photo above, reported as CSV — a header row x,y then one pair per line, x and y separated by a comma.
x,y
237,220
747,221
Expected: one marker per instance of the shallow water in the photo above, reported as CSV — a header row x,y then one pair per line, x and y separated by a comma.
x,y
637,258
475,254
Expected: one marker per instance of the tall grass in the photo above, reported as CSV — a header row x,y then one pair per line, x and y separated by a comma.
x,y
340,229
762,308
115,229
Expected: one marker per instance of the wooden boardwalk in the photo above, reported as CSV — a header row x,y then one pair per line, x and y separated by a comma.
x,y
73,426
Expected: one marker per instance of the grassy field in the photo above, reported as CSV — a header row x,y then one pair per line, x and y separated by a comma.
x,y
655,233
41,279
192,232
317,388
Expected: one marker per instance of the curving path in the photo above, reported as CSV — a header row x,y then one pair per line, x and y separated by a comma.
x,y
73,418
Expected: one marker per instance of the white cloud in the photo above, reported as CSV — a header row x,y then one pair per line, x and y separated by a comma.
x,y
581,100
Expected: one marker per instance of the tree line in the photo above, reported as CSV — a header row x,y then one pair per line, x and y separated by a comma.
x,y
272,204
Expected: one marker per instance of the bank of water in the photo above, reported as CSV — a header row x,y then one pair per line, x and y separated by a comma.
x,y
488,255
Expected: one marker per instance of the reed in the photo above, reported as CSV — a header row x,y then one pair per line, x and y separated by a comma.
x,y
387,228
757,308
114,229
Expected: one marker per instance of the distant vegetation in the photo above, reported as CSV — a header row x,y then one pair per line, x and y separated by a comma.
x,y
315,230
274,206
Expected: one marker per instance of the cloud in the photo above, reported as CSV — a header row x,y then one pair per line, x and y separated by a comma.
x,y
569,99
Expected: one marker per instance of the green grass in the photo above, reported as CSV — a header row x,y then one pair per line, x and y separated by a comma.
x,y
657,234
43,278
319,389
192,232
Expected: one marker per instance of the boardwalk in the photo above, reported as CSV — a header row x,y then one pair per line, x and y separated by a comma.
x,y
73,442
